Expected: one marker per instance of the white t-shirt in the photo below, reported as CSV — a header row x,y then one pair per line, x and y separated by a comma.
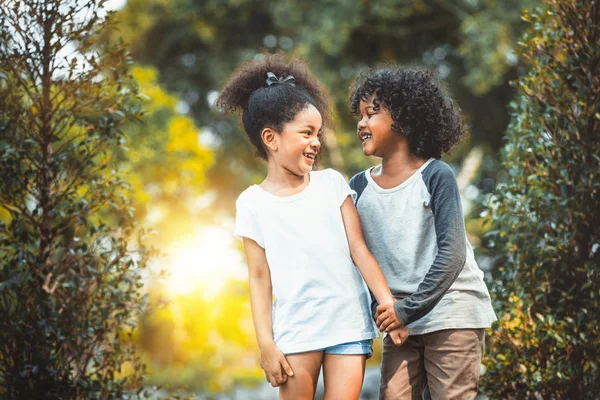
x,y
321,299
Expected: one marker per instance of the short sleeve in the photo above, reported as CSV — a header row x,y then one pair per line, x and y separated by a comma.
x,y
246,224
342,189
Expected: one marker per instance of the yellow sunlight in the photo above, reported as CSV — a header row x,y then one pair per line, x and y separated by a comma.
x,y
205,261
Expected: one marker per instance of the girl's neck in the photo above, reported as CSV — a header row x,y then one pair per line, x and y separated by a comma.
x,y
282,182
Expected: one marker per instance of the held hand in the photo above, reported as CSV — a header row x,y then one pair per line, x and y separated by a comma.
x,y
275,365
386,317
399,336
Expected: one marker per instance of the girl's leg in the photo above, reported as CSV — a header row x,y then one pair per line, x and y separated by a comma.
x,y
302,385
343,375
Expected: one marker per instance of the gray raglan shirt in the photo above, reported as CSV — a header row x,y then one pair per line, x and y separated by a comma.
x,y
416,232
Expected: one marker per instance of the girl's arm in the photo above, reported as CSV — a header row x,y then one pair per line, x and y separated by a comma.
x,y
366,263
272,360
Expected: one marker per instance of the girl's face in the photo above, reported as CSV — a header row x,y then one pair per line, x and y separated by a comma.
x,y
299,142
374,129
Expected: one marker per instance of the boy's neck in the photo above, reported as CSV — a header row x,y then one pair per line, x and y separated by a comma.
x,y
400,162
397,168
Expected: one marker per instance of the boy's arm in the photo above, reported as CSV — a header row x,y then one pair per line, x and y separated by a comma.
x,y
361,255
451,242
273,362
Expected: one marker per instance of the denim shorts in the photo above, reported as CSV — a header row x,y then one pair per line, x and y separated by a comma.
x,y
359,347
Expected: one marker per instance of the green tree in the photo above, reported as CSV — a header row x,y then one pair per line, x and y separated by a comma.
x,y
71,256
546,220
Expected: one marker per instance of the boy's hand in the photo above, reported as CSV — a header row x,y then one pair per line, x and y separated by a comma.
x,y
399,336
275,365
386,317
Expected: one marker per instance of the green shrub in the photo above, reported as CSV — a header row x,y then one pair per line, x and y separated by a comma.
x,y
547,217
70,271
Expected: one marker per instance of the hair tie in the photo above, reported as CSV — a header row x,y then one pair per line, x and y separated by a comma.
x,y
272,79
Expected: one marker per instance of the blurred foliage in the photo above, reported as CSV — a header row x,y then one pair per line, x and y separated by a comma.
x,y
165,162
196,45
545,219
71,253
201,342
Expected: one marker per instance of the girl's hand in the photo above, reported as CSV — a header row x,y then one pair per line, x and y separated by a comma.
x,y
386,317
275,365
399,336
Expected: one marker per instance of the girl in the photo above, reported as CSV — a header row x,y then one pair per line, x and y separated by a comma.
x,y
411,212
302,238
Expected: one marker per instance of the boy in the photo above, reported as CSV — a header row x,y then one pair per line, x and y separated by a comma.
x,y
412,219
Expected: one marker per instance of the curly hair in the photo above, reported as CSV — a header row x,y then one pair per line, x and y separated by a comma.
x,y
420,108
260,105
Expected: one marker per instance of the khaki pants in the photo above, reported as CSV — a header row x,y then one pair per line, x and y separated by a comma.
x,y
446,361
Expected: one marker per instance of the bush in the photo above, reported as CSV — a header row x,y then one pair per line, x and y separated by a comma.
x,y
70,272
546,218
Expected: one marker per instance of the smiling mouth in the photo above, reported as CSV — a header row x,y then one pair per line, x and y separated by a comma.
x,y
365,137
309,155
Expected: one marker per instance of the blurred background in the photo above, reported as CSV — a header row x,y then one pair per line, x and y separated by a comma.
x,y
188,164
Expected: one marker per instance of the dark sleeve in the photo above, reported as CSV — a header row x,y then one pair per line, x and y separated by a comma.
x,y
358,183
451,242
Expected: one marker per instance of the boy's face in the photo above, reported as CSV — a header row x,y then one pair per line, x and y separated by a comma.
x,y
374,129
